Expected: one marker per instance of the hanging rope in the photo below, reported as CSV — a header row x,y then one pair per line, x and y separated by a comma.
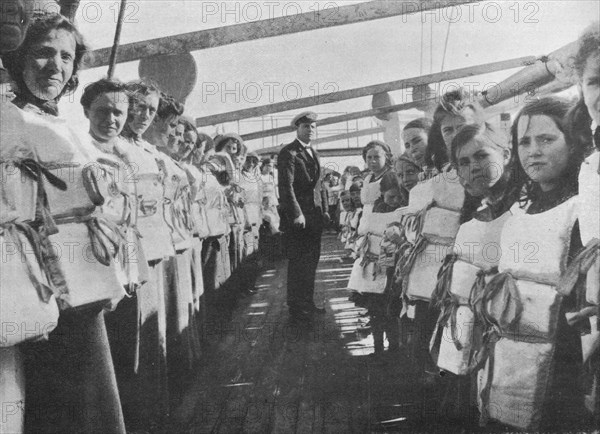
x,y
422,41
446,45
431,48
113,53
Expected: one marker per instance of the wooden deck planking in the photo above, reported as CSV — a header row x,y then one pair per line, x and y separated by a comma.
x,y
263,374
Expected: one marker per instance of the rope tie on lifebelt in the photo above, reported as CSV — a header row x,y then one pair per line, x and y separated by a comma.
x,y
579,267
105,237
37,172
410,261
504,286
441,294
11,232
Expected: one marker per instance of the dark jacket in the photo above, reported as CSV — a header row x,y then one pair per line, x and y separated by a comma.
x,y
300,190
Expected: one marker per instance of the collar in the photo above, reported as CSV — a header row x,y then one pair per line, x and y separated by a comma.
x,y
106,147
128,134
306,145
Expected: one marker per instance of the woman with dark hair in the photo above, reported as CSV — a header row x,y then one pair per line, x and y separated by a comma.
x,y
457,108
21,302
141,366
584,124
46,65
537,337
161,132
414,136
230,143
416,272
74,370
408,172
167,135
194,197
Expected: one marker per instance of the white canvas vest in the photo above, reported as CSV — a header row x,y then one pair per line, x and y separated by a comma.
x,y
156,237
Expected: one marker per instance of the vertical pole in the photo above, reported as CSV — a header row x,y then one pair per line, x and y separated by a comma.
x,y
113,53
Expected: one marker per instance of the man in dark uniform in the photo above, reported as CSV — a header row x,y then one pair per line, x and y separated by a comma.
x,y
301,207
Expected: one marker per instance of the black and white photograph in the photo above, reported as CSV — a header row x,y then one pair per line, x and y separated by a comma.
x,y
310,216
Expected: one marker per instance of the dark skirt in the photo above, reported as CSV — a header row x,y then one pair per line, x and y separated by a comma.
x,y
70,379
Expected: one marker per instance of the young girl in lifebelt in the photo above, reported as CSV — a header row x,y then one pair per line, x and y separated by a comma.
x,y
530,381
383,308
484,161
355,193
365,280
378,158
346,215
456,109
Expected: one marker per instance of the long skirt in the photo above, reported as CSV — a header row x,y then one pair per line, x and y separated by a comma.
x,y
138,338
182,335
70,379
199,307
12,390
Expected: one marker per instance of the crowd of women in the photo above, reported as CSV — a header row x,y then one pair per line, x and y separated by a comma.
x,y
114,242
486,247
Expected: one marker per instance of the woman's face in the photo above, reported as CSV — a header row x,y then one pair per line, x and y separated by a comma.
x,y
251,163
451,125
239,160
267,169
347,203
375,159
590,86
231,147
480,166
175,140
415,142
49,64
355,196
107,115
543,151
142,112
393,198
407,173
189,140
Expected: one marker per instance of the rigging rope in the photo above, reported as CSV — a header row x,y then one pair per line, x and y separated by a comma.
x,y
446,45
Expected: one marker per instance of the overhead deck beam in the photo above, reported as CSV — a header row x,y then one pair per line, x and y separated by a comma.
x,y
217,37
344,136
333,138
516,85
364,91
331,152
339,119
